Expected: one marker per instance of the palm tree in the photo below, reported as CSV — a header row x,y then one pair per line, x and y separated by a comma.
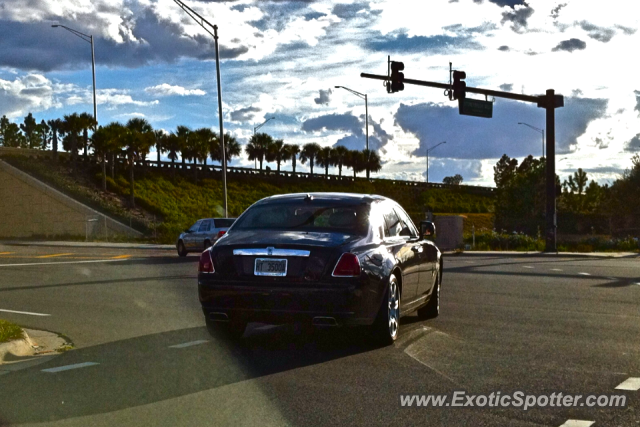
x,y
43,131
340,154
182,132
172,145
30,130
160,137
106,140
87,122
277,153
292,154
138,139
309,153
325,159
202,141
355,160
231,147
56,128
258,147
372,162
72,126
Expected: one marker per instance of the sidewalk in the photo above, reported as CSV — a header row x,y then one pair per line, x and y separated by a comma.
x,y
89,245
545,254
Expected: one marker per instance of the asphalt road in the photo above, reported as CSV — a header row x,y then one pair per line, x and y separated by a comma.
x,y
142,356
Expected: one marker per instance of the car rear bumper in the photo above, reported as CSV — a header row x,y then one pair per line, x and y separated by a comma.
x,y
348,304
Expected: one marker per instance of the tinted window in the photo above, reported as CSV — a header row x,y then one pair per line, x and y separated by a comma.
x,y
307,216
205,226
223,223
408,229
194,227
392,221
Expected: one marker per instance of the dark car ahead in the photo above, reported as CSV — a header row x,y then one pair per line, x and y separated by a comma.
x,y
329,259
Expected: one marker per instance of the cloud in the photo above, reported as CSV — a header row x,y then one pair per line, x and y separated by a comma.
x,y
479,138
244,114
348,11
507,87
166,89
324,97
570,45
401,43
597,33
511,3
555,12
637,92
504,48
518,17
353,126
31,92
633,145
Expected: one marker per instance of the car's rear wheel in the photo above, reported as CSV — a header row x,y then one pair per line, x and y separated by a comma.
x,y
432,309
385,328
231,330
207,244
182,251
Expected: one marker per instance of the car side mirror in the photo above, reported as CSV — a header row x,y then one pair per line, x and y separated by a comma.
x,y
427,229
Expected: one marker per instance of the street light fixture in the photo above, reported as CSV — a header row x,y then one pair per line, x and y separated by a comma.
x,y
88,38
428,150
366,109
538,130
255,129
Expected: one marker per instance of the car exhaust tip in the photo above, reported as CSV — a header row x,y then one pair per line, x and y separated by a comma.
x,y
324,321
218,317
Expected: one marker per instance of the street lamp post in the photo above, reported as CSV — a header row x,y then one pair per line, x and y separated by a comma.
x,y
428,150
88,38
366,112
537,130
255,129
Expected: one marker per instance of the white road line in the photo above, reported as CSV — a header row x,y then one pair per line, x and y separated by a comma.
x,y
632,384
584,274
265,327
24,312
526,266
69,367
61,262
577,423
189,344
556,269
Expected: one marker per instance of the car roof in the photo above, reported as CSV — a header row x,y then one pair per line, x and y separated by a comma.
x,y
336,197
202,219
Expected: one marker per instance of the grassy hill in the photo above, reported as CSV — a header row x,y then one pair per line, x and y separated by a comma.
x,y
166,204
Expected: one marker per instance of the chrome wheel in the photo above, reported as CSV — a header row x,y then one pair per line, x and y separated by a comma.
x,y
394,309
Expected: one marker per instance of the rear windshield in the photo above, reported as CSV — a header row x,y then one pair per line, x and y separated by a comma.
x,y
307,216
224,223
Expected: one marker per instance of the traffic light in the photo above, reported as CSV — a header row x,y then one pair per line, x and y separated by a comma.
x,y
459,87
396,82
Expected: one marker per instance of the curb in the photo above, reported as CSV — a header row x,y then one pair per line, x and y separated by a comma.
x,y
20,348
545,254
91,245
36,347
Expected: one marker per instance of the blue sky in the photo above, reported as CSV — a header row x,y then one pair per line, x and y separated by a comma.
x,y
283,59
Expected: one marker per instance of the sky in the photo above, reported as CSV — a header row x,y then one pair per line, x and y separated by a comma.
x,y
283,59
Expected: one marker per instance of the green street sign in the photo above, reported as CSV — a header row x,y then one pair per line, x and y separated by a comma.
x,y
475,107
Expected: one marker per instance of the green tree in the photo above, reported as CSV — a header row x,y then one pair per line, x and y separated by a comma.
x,y
309,154
104,141
56,126
277,153
504,171
231,147
372,161
138,140
325,159
258,147
201,142
183,132
87,122
355,160
30,130
292,151
160,137
339,157
173,148
43,131
72,127
10,135
453,180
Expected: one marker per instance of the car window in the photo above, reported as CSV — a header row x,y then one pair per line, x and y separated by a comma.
x,y
394,226
223,222
205,226
408,229
194,227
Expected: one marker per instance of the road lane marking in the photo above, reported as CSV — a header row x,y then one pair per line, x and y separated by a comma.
x,y
632,384
584,274
24,312
189,344
577,423
5,253
69,367
121,257
61,262
556,269
526,266
53,255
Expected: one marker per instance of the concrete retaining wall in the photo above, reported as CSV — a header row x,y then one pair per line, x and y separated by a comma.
x,y
28,207
449,232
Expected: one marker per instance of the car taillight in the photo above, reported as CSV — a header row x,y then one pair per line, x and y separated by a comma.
x,y
348,266
221,233
206,264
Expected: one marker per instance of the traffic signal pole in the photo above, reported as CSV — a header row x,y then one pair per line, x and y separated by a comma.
x,y
550,101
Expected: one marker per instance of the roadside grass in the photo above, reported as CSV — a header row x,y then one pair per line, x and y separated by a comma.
x,y
9,331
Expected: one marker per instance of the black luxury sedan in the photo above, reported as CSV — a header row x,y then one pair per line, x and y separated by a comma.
x,y
327,259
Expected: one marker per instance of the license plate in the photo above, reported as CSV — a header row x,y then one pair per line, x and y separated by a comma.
x,y
270,267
